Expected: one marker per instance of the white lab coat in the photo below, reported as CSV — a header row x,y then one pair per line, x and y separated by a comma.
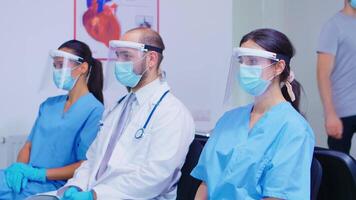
x,y
146,168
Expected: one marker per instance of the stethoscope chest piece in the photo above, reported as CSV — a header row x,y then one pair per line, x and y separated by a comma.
x,y
139,133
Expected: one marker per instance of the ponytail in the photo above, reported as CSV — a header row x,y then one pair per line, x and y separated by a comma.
x,y
95,79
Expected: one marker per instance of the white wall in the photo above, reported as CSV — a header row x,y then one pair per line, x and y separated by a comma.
x,y
301,21
198,45
198,36
29,29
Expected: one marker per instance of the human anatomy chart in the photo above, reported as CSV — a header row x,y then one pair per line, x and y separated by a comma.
x,y
99,21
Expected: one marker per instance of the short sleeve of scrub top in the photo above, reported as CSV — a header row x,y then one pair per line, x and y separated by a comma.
x,y
201,169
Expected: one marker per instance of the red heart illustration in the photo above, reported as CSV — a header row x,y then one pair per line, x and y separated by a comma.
x,y
102,26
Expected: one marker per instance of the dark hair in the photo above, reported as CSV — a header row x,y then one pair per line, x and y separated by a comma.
x,y
276,42
95,70
150,37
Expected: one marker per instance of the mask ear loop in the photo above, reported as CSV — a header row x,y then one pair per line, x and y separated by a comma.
x,y
135,62
89,73
162,75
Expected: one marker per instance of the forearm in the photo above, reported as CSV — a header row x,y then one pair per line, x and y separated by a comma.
x,y
202,193
62,173
324,84
324,68
24,154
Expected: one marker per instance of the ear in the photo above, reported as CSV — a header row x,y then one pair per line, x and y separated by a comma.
x,y
280,66
152,59
84,68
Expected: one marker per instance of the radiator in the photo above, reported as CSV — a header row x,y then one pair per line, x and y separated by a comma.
x,y
9,149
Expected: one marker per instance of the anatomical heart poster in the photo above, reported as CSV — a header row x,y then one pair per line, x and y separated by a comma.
x,y
99,21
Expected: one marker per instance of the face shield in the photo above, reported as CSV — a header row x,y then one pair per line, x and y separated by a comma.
x,y
250,75
61,64
126,62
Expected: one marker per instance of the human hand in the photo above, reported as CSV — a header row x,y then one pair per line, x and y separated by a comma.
x,y
333,126
73,194
14,178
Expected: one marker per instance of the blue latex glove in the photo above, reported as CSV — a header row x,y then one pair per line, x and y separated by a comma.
x,y
69,192
82,196
73,194
33,174
15,178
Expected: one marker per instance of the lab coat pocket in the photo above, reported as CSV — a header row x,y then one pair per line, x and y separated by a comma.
x,y
143,143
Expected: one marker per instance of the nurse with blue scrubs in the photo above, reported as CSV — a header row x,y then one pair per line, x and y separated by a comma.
x,y
65,126
261,150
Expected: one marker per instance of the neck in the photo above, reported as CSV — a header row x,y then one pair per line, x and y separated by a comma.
x,y
147,80
271,97
348,10
78,90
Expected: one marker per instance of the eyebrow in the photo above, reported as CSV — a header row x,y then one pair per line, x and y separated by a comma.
x,y
122,51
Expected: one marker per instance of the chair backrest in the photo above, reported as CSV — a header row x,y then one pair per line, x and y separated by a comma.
x,y
339,175
188,185
316,175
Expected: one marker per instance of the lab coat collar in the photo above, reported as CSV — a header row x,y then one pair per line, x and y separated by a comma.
x,y
144,93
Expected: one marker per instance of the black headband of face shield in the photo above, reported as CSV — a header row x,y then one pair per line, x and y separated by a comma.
x,y
152,48
284,57
81,60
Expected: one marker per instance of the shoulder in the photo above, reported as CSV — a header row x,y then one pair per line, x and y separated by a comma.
x,y
94,103
295,124
236,114
332,25
54,100
172,104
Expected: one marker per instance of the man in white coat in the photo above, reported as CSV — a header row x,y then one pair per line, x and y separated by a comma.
x,y
144,140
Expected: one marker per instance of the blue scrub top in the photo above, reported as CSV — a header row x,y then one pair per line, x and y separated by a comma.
x,y
272,159
62,138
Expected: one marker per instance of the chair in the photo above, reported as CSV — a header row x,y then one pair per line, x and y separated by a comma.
x,y
339,175
316,175
188,185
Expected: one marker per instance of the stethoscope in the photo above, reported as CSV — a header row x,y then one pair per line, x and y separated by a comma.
x,y
141,131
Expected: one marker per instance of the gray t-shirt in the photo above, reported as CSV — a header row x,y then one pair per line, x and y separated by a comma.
x,y
338,37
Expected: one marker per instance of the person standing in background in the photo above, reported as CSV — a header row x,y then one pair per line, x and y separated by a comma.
x,y
336,73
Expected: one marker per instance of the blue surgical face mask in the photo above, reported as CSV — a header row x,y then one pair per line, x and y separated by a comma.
x,y
63,79
125,75
353,3
250,79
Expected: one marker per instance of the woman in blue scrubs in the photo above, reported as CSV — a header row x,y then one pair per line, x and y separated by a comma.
x,y
262,150
65,127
